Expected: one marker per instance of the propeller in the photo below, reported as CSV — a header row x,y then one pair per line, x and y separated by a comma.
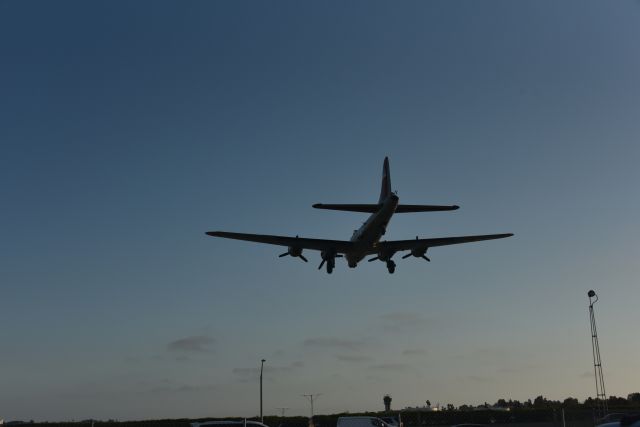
x,y
302,257
423,256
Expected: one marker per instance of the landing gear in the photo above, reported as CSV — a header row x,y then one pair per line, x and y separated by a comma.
x,y
330,259
391,266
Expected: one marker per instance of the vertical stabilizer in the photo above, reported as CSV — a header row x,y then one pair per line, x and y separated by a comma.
x,y
385,191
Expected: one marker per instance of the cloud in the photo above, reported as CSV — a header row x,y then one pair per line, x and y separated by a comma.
x,y
254,372
185,388
352,358
195,344
396,367
477,379
402,321
327,342
413,352
516,369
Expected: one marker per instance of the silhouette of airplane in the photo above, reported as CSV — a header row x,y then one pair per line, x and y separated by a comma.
x,y
366,240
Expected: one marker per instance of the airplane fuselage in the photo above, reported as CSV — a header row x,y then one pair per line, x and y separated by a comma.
x,y
369,234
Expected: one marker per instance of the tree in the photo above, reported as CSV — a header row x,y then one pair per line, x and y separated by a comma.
x,y
570,402
540,402
633,398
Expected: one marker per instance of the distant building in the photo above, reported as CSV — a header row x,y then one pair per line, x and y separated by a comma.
x,y
387,403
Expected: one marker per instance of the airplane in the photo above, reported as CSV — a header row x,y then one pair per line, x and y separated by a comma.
x,y
365,240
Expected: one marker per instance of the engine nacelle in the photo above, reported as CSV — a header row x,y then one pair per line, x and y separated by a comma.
x,y
328,255
385,255
294,251
418,252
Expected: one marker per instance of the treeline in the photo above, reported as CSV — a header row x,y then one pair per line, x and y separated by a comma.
x,y
540,402
538,410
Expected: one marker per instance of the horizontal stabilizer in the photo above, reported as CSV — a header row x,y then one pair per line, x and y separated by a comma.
x,y
424,208
371,208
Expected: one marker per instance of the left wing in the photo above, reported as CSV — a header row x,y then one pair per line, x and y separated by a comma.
x,y
336,246
404,245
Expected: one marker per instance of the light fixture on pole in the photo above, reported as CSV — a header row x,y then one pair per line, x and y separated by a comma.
x,y
261,367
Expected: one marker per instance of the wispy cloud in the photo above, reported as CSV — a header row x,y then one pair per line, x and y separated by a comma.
x,y
184,388
477,379
196,344
390,367
352,358
402,321
516,369
333,343
413,352
254,372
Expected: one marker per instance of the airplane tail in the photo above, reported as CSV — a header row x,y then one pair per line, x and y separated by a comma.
x,y
385,191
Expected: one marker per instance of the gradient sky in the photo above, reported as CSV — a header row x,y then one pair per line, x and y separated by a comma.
x,y
129,129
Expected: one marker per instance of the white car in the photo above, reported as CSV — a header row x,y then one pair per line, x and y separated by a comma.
x,y
243,423
361,422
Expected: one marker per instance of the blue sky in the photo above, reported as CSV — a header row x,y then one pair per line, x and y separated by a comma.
x,y
128,130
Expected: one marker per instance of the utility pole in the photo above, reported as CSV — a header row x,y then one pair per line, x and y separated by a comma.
x,y
261,366
282,409
310,398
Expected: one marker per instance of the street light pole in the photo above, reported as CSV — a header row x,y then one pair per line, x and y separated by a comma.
x,y
261,367
310,398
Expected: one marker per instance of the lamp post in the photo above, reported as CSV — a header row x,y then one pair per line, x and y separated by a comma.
x,y
310,398
261,367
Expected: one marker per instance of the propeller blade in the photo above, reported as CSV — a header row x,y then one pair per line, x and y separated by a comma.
x,y
303,258
373,259
321,264
406,256
425,257
284,254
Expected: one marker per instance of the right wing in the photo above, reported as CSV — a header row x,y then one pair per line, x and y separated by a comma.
x,y
404,245
338,246
425,208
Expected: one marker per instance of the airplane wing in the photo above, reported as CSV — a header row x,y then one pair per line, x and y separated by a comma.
x,y
425,208
351,207
339,246
404,245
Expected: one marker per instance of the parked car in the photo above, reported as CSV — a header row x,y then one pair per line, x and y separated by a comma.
x,y
361,422
628,420
242,423
610,418
392,421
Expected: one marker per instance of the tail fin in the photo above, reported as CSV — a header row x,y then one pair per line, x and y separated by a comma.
x,y
386,181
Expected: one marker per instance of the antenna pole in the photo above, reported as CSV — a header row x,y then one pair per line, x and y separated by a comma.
x,y
601,394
